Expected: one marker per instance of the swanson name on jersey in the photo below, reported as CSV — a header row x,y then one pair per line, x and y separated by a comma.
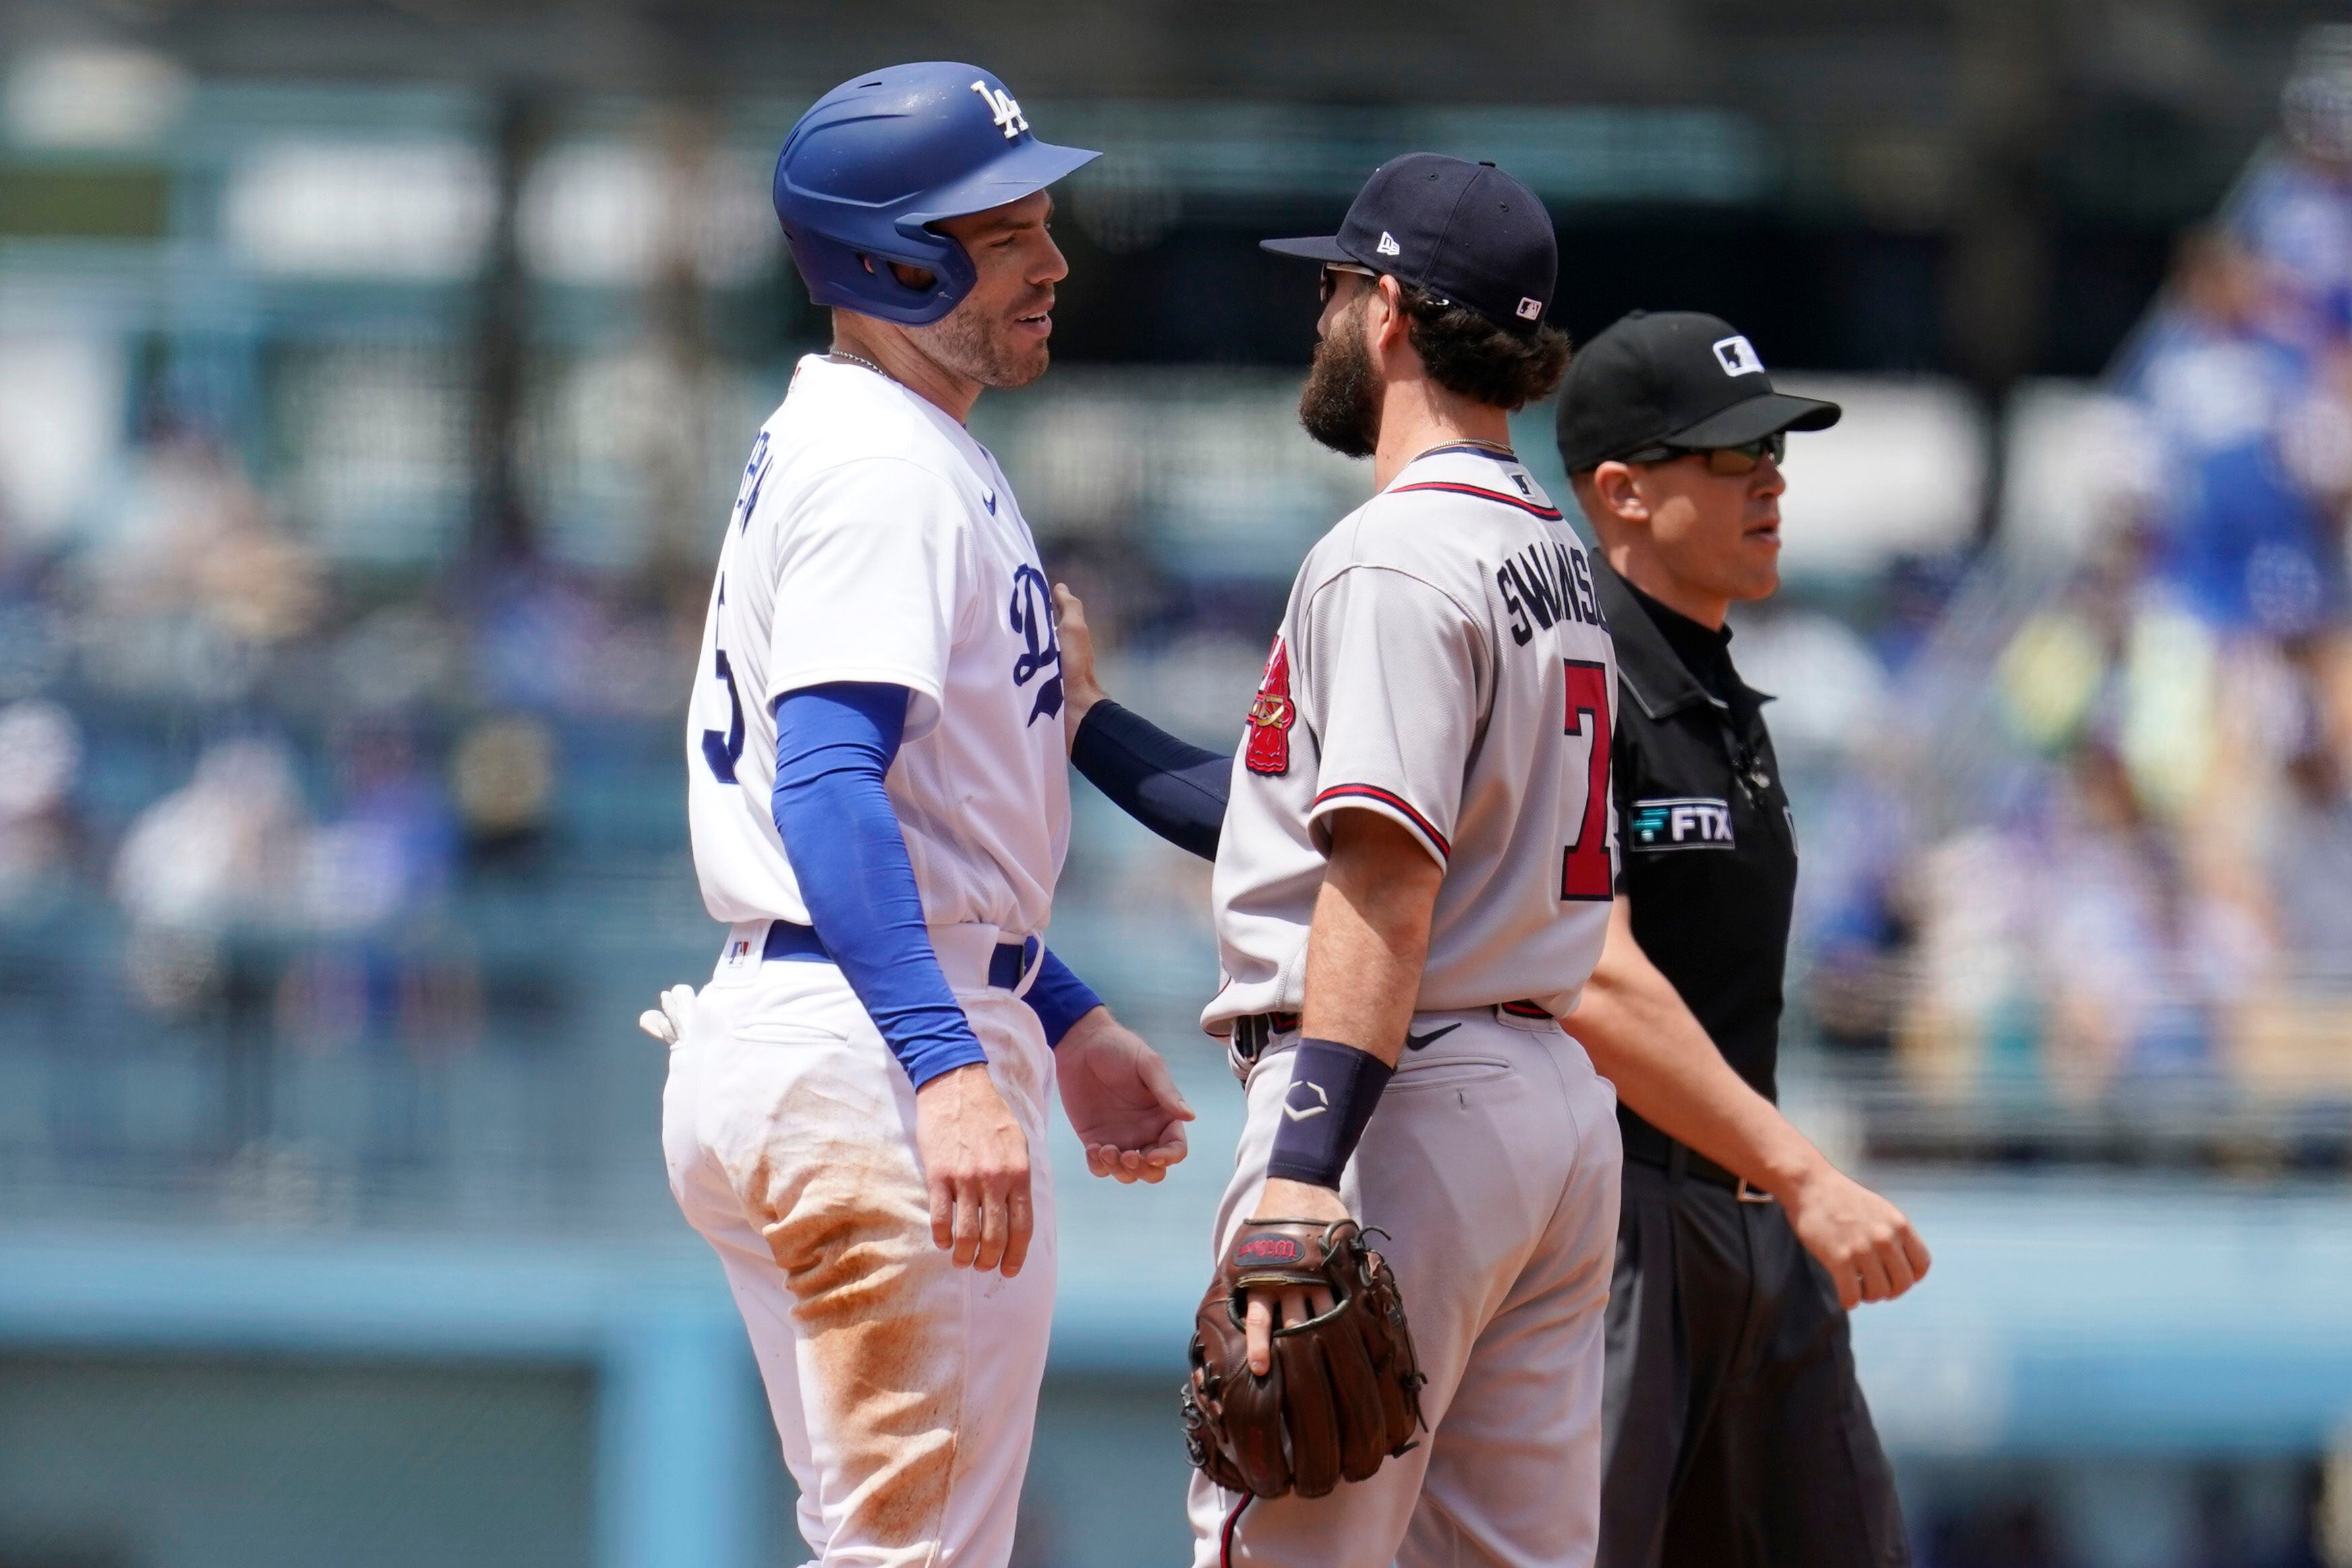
x,y
1550,584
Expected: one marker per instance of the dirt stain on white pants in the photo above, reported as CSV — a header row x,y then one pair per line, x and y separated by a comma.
x,y
848,1219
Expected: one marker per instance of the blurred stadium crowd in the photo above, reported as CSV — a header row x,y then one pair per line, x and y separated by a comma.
x,y
294,772
2118,873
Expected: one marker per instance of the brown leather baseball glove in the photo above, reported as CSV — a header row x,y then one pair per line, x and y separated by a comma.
x,y
1343,1393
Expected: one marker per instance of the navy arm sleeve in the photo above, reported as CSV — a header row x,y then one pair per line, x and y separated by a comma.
x,y
1058,998
1170,786
834,745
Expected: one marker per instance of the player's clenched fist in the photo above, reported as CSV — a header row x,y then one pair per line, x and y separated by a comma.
x,y
976,1163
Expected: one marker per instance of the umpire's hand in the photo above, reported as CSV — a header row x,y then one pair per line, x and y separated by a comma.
x,y
1865,1243
976,1163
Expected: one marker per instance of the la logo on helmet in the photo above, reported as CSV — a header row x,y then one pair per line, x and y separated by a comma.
x,y
1007,113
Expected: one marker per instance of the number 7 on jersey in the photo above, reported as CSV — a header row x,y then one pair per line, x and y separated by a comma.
x,y
1585,874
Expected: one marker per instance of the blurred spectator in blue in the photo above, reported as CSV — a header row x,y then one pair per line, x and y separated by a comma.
x,y
1917,588
388,857
2241,535
2295,211
536,634
378,874
2140,968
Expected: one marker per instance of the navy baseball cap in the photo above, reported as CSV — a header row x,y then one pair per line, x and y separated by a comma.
x,y
1468,233
1673,377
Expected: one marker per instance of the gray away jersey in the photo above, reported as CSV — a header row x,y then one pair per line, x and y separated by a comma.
x,y
1441,662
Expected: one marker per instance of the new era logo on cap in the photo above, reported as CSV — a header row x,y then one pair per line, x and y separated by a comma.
x,y
1467,233
1737,356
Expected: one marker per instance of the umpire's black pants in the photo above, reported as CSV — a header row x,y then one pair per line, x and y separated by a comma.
x,y
1734,1433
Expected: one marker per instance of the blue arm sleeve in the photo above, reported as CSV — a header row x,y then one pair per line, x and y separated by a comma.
x,y
1058,998
834,745
1170,786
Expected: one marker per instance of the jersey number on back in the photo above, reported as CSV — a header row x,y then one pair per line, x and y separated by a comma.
x,y
722,752
1585,873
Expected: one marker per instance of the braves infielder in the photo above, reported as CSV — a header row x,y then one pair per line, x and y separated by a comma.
x,y
855,1111
1413,876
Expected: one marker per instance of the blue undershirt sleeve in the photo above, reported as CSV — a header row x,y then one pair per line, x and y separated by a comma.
x,y
1058,998
1170,786
834,744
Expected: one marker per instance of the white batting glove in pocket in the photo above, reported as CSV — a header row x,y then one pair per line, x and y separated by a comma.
x,y
667,1023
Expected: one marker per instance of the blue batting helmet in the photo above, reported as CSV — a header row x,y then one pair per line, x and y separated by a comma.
x,y
884,155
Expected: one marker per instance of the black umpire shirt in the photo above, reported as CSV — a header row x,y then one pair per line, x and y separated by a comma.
x,y
1706,843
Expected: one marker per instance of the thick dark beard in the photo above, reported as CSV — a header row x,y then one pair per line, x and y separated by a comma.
x,y
965,343
1340,406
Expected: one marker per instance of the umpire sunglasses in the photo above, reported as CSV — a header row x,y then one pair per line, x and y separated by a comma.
x,y
1724,462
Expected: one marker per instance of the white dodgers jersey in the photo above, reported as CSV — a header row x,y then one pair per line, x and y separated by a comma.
x,y
1443,662
875,541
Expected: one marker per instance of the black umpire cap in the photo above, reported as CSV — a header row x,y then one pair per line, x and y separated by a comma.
x,y
1468,233
1675,378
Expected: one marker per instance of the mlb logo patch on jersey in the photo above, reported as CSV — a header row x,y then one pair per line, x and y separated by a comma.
x,y
738,951
1688,823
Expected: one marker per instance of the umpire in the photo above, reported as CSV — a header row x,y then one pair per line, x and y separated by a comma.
x,y
1734,1432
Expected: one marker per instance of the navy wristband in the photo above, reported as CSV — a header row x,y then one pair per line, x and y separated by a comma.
x,y
1058,998
1334,1089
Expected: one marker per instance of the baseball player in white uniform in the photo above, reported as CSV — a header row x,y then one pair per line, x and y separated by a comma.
x,y
1414,880
855,1111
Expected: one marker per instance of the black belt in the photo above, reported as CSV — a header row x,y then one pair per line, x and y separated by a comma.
x,y
1680,1160
1254,1032
1007,966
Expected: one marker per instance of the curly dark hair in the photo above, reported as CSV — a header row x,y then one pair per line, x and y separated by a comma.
x,y
1467,353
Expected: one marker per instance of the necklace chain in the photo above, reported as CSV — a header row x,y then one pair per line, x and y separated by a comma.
x,y
860,360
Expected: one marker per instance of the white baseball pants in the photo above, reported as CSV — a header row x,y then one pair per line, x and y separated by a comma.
x,y
905,1390
1492,1163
